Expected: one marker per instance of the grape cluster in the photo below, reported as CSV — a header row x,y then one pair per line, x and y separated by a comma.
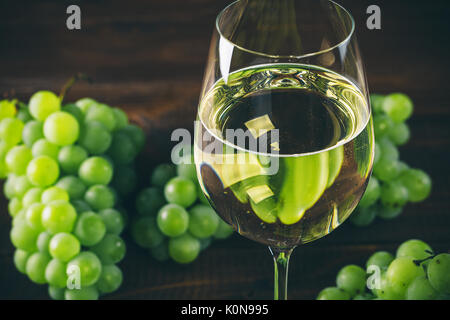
x,y
59,162
415,273
393,182
174,218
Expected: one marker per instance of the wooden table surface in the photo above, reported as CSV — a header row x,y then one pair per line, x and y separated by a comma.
x,y
148,57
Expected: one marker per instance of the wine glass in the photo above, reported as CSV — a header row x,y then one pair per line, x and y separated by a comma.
x,y
284,141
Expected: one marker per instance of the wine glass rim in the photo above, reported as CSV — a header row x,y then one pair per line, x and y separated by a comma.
x,y
306,55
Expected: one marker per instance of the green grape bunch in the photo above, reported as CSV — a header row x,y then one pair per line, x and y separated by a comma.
x,y
414,273
61,163
175,220
393,183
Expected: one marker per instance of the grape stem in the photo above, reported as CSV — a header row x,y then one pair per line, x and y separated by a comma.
x,y
68,85
419,262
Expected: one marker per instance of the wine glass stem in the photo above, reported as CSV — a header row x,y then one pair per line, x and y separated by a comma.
x,y
281,265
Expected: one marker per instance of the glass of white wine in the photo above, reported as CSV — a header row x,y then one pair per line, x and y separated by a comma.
x,y
284,142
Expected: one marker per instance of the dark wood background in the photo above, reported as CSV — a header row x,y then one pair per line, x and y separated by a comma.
x,y
148,57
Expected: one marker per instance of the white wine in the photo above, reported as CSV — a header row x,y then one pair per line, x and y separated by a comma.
x,y
284,151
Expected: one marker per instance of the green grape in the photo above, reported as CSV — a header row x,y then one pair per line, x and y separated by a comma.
x,y
100,197
84,293
56,293
59,216
73,186
145,232
223,230
43,241
73,110
205,243
160,252
110,279
399,133
54,193
124,180
81,206
33,216
122,149
414,248
90,228
333,293
88,265
136,134
8,187
18,158
363,216
438,273
386,170
394,194
388,150
24,115
42,171
381,259
14,206
64,246
4,149
418,184
3,169
186,168
36,265
149,201
32,132
95,138
180,191
184,249
96,170
85,103
352,279
11,131
43,103
371,194
111,249
55,273
43,147
7,109
24,237
172,220
71,157
32,195
20,218
401,272
363,297
113,221
377,153
121,118
382,124
376,102
21,186
162,174
61,128
388,212
386,290
20,260
203,221
103,114
420,289
398,107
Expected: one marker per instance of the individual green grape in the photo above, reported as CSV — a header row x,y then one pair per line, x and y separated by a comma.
x,y
95,170
21,186
54,193
388,212
89,267
14,206
124,180
8,187
398,107
20,260
33,216
24,115
84,293
85,103
80,206
160,252
351,279
399,133
381,259
376,102
71,157
32,132
43,103
20,218
149,201
172,220
438,272
73,186
110,279
59,216
181,191
56,293
386,290
95,138
73,110
64,246
24,237
61,128
414,248
18,158
333,293
420,289
55,273
113,220
146,233
36,265
136,134
203,221
7,109
401,272
388,150
32,195
4,149
90,228
184,249
386,170
186,168
111,249
42,171
43,147
100,197
43,242
382,124
122,149
418,184
223,230
394,194
162,174
364,216
371,194
103,114
121,118
11,131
